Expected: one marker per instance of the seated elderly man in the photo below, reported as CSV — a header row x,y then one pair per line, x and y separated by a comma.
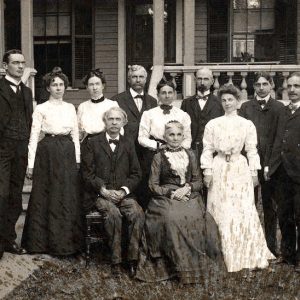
x,y
111,170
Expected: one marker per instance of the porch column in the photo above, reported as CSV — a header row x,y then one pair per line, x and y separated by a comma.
x,y
121,46
27,32
2,40
158,32
179,33
189,46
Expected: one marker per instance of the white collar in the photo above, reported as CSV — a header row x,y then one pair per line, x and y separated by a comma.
x,y
206,93
134,93
297,104
108,137
267,98
11,79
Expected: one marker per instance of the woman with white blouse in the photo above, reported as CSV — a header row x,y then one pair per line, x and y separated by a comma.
x,y
53,223
90,112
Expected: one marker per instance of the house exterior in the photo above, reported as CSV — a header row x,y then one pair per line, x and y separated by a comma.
x,y
172,37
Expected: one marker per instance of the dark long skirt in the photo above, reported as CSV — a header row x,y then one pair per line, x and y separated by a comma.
x,y
54,218
179,240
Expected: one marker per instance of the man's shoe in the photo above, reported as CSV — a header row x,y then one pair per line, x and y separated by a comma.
x,y
132,268
297,266
14,248
281,260
1,254
116,270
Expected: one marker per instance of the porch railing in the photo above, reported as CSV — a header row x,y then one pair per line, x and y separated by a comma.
x,y
239,74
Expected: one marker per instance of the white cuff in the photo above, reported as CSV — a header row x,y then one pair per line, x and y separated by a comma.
x,y
207,172
126,189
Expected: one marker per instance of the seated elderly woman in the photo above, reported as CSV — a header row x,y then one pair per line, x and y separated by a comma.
x,y
175,240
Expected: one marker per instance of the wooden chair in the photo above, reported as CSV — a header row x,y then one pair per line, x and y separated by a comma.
x,y
93,219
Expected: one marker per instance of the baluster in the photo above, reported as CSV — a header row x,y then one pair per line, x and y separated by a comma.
x,y
216,84
284,85
273,94
244,86
230,75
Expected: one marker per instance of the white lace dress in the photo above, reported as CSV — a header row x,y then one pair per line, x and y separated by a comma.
x,y
231,194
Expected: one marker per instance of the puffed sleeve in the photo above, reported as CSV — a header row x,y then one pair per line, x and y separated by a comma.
x,y
186,122
154,179
74,133
251,149
144,132
37,120
206,159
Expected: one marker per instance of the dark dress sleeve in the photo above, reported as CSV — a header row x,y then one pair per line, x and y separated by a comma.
x,y
154,179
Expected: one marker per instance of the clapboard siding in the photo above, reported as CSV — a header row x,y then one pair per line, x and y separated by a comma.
x,y
106,43
200,31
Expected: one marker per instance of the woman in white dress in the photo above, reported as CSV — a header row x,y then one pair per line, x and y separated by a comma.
x,y
230,180
90,112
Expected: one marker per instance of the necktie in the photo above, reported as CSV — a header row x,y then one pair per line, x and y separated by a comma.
x,y
111,141
204,98
262,102
18,87
293,107
98,100
139,101
166,108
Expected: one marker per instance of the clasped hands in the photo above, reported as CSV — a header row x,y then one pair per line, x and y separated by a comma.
x,y
181,194
114,196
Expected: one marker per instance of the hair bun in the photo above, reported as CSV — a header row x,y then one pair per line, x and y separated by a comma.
x,y
56,70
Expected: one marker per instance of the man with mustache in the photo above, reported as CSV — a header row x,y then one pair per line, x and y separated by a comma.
x,y
202,107
134,102
284,166
263,111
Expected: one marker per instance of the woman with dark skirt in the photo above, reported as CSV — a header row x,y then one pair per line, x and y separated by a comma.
x,y
180,240
54,218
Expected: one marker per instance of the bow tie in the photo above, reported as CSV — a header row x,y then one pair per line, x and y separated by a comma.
x,y
262,102
139,97
111,141
166,108
204,98
293,107
98,100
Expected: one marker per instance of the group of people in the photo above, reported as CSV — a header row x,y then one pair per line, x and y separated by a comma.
x,y
177,187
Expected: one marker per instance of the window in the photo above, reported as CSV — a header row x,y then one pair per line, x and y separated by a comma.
x,y
63,36
253,37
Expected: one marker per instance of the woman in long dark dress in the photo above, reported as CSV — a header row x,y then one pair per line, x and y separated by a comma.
x,y
178,237
53,223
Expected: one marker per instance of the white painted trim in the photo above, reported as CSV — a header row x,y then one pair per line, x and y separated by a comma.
x,y
179,31
121,46
158,32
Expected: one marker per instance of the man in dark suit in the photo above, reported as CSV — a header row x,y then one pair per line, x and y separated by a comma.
x,y
263,111
134,102
202,107
111,171
15,124
284,166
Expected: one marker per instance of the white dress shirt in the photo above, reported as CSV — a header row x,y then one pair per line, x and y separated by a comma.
x,y
90,116
138,101
297,104
153,123
113,148
53,117
14,81
201,101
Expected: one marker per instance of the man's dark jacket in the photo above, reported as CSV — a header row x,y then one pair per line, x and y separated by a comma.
x,y
211,110
127,103
6,108
266,122
286,149
102,167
